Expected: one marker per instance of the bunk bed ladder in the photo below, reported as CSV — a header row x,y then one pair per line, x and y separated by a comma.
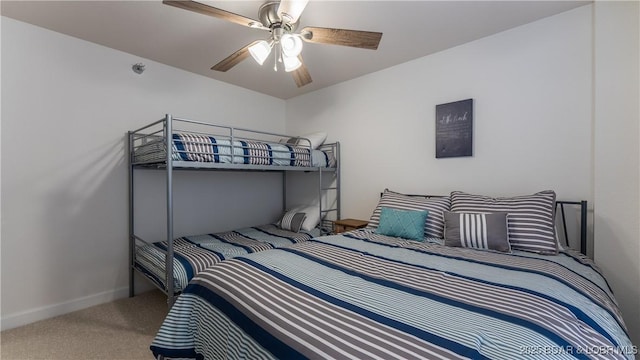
x,y
325,227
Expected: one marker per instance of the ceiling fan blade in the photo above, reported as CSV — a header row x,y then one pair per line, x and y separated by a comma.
x,y
354,38
215,12
233,59
301,74
292,9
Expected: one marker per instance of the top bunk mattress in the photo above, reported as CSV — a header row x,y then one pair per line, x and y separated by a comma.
x,y
189,147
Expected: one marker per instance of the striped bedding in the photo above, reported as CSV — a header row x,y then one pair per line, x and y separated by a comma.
x,y
196,253
207,148
359,295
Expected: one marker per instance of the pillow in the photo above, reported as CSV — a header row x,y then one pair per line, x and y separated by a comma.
x,y
477,231
312,216
407,224
292,221
316,139
531,217
434,226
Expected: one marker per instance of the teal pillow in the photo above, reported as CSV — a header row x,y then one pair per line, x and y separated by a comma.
x,y
407,224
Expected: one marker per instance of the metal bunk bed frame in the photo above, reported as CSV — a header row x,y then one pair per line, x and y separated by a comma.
x,y
169,164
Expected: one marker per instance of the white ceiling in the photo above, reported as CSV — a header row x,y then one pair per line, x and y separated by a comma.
x,y
195,42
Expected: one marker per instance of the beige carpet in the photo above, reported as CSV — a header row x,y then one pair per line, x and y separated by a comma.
x,y
122,329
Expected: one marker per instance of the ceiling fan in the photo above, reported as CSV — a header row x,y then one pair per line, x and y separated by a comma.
x,y
281,19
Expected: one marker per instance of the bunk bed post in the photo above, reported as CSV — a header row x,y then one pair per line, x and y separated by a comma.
x,y
231,145
169,256
132,241
320,201
284,191
337,175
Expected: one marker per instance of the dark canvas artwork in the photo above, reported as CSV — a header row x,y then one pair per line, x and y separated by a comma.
x,y
454,129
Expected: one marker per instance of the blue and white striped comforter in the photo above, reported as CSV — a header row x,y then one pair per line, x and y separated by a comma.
x,y
209,148
365,296
195,253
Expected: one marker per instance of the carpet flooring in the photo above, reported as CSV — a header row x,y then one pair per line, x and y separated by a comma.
x,y
122,329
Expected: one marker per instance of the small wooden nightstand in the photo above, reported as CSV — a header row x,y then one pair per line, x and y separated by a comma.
x,y
343,225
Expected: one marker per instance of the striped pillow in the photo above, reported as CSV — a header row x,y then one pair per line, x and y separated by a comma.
x,y
292,221
477,231
531,217
436,206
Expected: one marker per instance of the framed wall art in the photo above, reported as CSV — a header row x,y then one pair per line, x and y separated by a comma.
x,y
454,129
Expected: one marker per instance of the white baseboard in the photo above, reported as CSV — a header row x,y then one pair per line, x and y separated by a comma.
x,y
49,311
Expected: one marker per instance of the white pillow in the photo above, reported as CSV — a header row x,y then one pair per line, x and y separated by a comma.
x,y
313,216
316,139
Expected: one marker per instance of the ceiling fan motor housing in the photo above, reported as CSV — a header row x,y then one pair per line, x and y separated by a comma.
x,y
269,17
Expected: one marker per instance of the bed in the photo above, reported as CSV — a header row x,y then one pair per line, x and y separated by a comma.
x,y
173,144
371,294
204,145
195,253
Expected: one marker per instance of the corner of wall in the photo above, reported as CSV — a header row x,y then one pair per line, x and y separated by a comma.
x,y
617,153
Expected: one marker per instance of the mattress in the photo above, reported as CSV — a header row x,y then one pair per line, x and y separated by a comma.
x,y
361,295
208,148
195,253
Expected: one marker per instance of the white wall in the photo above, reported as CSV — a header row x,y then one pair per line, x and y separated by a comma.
x,y
67,106
533,91
617,153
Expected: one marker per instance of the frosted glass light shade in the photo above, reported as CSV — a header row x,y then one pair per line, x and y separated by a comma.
x,y
260,51
291,9
291,45
291,63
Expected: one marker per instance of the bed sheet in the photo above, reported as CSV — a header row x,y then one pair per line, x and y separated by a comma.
x,y
361,295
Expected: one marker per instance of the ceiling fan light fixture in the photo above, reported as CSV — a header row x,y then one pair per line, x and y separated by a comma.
x,y
291,63
260,50
291,45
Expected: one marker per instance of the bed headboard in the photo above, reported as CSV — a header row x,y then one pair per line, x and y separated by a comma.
x,y
560,209
560,204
